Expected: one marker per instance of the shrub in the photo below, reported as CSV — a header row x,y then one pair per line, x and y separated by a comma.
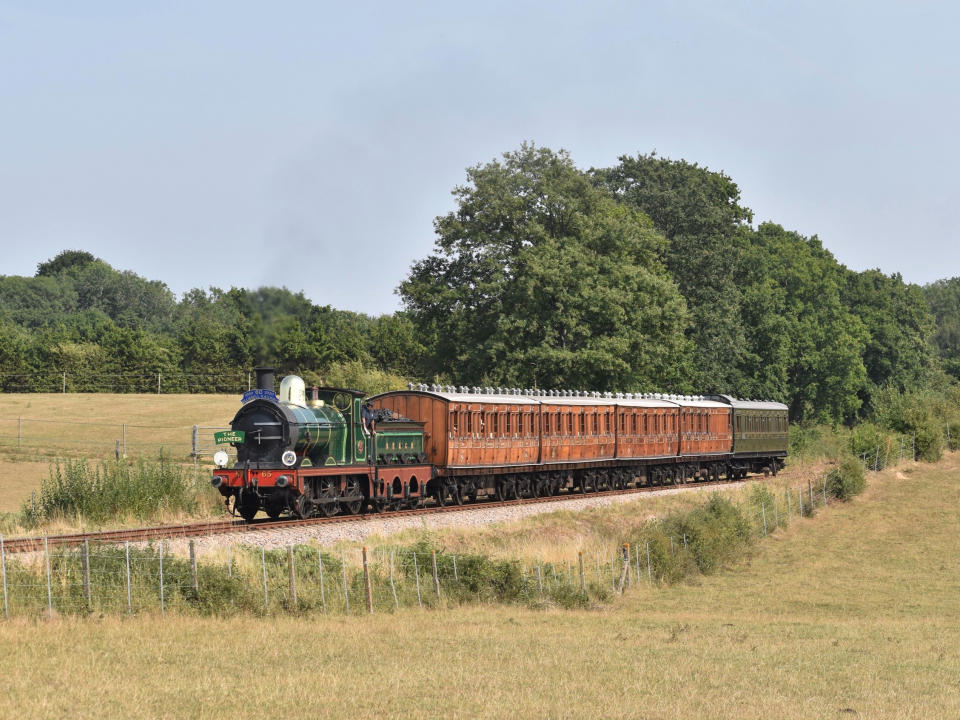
x,y
953,435
866,439
112,489
917,415
846,478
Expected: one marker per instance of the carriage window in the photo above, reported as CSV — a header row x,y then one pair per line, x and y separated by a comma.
x,y
453,422
570,423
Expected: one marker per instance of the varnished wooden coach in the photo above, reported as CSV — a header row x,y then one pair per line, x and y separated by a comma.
x,y
531,443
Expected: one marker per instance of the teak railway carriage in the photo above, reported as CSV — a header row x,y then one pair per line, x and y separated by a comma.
x,y
313,456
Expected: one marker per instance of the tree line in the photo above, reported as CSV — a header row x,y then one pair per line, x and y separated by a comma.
x,y
643,277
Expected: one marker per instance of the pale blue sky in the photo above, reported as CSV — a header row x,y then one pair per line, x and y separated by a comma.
x,y
311,145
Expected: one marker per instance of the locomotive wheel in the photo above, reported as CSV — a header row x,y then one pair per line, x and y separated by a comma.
x,y
456,492
353,507
305,508
441,495
248,504
328,492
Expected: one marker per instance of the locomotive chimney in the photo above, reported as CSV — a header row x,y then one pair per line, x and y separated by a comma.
x,y
264,378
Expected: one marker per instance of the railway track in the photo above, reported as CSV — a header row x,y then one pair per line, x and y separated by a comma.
x,y
220,527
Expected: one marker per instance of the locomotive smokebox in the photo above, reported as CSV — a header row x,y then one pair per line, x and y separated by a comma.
x,y
264,378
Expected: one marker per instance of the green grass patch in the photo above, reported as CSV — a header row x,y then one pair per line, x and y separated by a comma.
x,y
97,492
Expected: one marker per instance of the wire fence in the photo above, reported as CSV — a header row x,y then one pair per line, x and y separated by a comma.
x,y
46,438
135,381
165,577
897,449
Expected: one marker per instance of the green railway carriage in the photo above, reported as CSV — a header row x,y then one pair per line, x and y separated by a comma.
x,y
760,433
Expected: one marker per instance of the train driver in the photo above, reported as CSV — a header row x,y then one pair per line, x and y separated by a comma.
x,y
366,415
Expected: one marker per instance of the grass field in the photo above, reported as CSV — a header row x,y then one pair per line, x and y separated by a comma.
x,y
852,613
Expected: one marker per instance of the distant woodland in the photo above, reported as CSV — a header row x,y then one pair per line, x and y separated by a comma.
x,y
648,276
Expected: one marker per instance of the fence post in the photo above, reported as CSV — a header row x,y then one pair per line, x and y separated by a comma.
x,y
456,576
291,567
366,582
85,567
194,583
158,383
810,488
539,579
763,511
263,566
162,608
583,577
625,572
323,597
3,566
436,578
824,490
64,387
393,585
901,450
649,571
196,450
800,501
346,592
129,601
416,574
46,553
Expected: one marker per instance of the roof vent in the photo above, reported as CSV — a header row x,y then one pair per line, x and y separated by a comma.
x,y
410,386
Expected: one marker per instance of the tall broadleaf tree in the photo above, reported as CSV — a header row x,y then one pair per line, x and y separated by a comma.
x,y
699,212
541,279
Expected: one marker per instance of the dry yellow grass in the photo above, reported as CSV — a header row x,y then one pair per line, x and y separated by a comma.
x,y
88,425
850,614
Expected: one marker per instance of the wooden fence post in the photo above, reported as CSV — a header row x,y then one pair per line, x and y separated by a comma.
x,y
366,582
292,569
194,582
583,577
85,568
436,578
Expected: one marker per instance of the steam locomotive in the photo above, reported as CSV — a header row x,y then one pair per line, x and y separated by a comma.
x,y
308,456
